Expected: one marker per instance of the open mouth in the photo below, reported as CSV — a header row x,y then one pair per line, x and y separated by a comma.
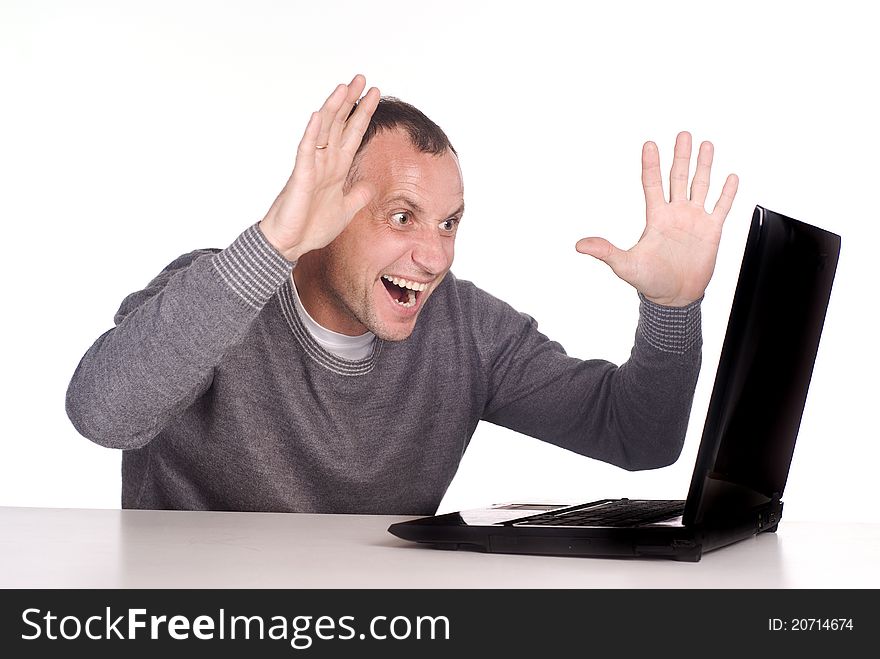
x,y
403,291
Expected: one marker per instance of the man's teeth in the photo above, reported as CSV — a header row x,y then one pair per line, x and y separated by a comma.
x,y
410,301
405,283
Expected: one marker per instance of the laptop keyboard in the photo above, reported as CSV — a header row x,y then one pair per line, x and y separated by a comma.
x,y
610,512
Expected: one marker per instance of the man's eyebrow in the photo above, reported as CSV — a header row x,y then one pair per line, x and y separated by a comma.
x,y
409,201
413,204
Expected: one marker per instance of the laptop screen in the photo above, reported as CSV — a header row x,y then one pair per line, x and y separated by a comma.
x,y
765,367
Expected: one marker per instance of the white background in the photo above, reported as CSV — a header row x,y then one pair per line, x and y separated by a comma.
x,y
134,132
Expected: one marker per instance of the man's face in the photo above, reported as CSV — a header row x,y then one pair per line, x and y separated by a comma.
x,y
378,273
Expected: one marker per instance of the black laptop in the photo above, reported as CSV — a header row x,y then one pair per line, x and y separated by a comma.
x,y
748,438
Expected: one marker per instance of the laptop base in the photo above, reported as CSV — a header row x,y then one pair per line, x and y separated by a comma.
x,y
669,540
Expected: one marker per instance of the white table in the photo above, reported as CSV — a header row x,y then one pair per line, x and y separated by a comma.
x,y
76,548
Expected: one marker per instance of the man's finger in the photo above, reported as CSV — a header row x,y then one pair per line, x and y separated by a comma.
x,y
681,163
355,88
652,181
700,184
328,111
358,122
359,196
725,201
305,152
599,248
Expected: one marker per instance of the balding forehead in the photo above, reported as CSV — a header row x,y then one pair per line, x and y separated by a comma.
x,y
392,155
396,142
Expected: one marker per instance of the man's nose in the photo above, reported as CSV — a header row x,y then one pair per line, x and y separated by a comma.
x,y
432,252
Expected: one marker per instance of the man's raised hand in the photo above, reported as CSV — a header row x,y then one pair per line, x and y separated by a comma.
x,y
673,261
313,208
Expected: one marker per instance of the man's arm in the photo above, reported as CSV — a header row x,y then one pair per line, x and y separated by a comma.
x,y
168,339
635,415
171,336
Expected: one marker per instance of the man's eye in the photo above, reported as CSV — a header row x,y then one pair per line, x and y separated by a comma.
x,y
401,219
448,226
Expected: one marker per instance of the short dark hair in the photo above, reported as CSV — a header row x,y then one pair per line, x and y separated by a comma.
x,y
392,113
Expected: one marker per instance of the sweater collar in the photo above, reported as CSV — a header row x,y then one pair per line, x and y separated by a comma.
x,y
340,366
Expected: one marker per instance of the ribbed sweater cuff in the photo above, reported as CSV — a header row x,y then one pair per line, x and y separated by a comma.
x,y
252,268
671,329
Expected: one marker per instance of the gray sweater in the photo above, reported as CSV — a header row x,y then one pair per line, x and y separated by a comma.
x,y
222,400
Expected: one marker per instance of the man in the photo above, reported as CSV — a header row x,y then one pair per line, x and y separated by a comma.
x,y
328,361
